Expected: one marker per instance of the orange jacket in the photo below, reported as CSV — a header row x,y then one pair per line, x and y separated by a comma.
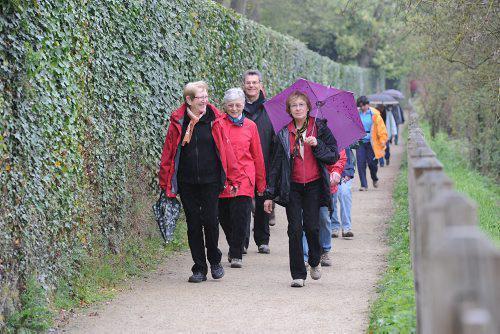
x,y
378,134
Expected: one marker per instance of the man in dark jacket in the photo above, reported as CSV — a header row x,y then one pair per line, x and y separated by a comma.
x,y
254,110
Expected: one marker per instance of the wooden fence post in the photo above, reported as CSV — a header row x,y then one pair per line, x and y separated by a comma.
x,y
463,274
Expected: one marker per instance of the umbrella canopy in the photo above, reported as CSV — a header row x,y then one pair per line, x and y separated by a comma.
x,y
383,99
167,211
337,106
394,93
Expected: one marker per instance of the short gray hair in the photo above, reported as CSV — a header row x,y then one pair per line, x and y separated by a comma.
x,y
233,94
252,72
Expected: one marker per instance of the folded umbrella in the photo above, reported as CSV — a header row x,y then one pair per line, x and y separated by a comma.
x,y
167,211
337,106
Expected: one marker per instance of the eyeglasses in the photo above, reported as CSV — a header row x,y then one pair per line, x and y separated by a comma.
x,y
204,97
250,83
234,105
298,105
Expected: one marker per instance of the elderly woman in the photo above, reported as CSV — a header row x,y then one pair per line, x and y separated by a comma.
x,y
299,181
198,163
235,211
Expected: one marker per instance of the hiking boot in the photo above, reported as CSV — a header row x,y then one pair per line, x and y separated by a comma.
x,y
236,263
347,234
325,260
375,184
217,271
335,234
197,277
297,283
264,249
315,272
363,189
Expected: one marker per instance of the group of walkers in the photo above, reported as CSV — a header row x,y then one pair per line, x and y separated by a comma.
x,y
227,165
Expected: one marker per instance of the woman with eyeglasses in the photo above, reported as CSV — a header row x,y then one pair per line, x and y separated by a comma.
x,y
299,180
198,163
235,211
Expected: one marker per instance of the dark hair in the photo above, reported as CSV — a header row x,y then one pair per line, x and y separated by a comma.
x,y
297,95
362,101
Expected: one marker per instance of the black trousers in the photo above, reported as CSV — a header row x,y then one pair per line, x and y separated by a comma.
x,y
200,203
302,213
234,217
260,223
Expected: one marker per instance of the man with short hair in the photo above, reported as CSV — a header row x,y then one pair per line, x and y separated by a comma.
x,y
372,146
255,111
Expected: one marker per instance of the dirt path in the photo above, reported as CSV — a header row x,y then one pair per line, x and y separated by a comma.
x,y
258,298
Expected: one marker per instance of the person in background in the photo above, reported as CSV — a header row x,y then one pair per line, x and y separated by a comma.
x,y
235,211
344,196
254,110
392,131
325,215
299,181
196,133
372,146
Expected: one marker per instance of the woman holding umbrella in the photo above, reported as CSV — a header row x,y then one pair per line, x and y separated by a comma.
x,y
299,181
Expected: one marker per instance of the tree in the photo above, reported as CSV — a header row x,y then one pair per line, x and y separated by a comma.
x,y
239,6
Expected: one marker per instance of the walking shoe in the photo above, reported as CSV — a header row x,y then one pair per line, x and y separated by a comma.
x,y
347,234
387,162
325,260
363,189
315,272
335,234
244,251
236,263
264,249
197,277
297,283
375,184
306,264
217,271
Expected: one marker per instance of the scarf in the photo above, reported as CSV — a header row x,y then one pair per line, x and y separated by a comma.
x,y
237,121
190,127
298,146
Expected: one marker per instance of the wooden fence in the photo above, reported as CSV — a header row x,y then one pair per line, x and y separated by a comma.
x,y
456,267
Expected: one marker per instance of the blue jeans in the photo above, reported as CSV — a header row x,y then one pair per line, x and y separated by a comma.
x,y
344,197
325,233
365,156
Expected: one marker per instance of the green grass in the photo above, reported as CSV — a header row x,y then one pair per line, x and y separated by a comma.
x,y
98,278
394,310
481,189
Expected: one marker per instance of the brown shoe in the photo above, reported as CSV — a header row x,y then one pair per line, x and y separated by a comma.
x,y
347,234
363,189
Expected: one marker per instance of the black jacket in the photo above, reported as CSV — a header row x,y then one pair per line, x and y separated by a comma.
x,y
326,153
257,113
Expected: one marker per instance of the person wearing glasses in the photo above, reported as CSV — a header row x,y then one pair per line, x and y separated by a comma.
x,y
198,163
235,211
254,110
299,180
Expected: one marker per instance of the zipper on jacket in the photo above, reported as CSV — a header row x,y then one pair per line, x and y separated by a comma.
x,y
197,159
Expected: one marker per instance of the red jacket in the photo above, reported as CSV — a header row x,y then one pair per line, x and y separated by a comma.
x,y
246,146
169,164
338,168
305,169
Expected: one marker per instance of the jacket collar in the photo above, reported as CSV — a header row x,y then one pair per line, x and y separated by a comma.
x,y
177,116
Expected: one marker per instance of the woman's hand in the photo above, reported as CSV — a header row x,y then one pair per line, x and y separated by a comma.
x,y
268,206
311,141
233,191
334,178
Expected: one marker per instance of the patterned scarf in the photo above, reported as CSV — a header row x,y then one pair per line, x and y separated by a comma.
x,y
190,127
298,146
237,121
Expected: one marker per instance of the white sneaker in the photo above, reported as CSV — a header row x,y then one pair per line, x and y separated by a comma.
x,y
297,283
315,272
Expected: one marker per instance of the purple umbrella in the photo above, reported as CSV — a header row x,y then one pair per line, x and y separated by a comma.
x,y
337,106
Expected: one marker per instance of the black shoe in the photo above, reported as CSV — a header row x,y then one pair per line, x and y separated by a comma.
x,y
347,234
387,162
217,271
197,278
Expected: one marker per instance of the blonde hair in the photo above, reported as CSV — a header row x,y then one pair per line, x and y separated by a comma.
x,y
192,87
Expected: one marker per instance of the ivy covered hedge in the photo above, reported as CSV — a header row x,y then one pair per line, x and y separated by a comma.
x,y
86,91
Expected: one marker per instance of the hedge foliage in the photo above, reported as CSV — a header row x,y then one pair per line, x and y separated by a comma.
x,y
86,91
